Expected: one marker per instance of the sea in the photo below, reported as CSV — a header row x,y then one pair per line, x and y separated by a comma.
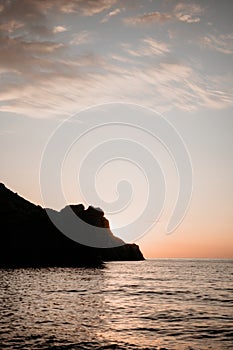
x,y
153,304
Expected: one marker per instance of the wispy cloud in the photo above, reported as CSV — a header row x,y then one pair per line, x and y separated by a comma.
x,y
85,7
59,29
164,86
184,12
44,73
222,43
210,96
26,57
111,14
34,12
148,47
83,37
148,18
188,12
11,26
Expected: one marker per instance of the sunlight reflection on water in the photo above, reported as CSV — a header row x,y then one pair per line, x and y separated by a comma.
x,y
169,304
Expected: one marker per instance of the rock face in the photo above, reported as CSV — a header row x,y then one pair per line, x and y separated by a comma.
x,y
29,238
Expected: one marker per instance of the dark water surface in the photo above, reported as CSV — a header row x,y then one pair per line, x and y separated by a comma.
x,y
153,304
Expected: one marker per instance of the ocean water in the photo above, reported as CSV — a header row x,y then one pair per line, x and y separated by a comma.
x,y
152,304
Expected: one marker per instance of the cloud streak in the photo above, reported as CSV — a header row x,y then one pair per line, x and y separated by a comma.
x,y
221,43
149,47
33,14
59,29
183,12
148,18
162,87
81,38
50,67
188,12
111,14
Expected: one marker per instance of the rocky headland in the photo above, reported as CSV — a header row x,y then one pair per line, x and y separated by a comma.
x,y
29,238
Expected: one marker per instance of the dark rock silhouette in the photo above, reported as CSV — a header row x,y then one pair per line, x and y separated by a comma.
x,y
29,238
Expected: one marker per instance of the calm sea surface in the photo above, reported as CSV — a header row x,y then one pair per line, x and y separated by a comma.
x,y
153,304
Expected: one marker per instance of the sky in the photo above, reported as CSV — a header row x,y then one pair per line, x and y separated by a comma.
x,y
78,77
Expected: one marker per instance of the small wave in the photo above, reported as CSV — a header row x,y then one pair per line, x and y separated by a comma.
x,y
66,291
96,346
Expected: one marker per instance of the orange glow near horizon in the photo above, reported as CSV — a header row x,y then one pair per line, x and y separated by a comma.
x,y
126,106
186,251
200,240
187,245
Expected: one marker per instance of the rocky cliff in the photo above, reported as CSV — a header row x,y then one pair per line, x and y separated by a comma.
x,y
29,238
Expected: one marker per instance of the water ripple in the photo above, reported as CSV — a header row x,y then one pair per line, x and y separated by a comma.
x,y
153,305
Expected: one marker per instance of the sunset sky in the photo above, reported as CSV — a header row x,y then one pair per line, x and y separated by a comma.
x,y
58,58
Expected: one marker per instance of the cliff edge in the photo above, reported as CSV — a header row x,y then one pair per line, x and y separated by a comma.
x,y
29,238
